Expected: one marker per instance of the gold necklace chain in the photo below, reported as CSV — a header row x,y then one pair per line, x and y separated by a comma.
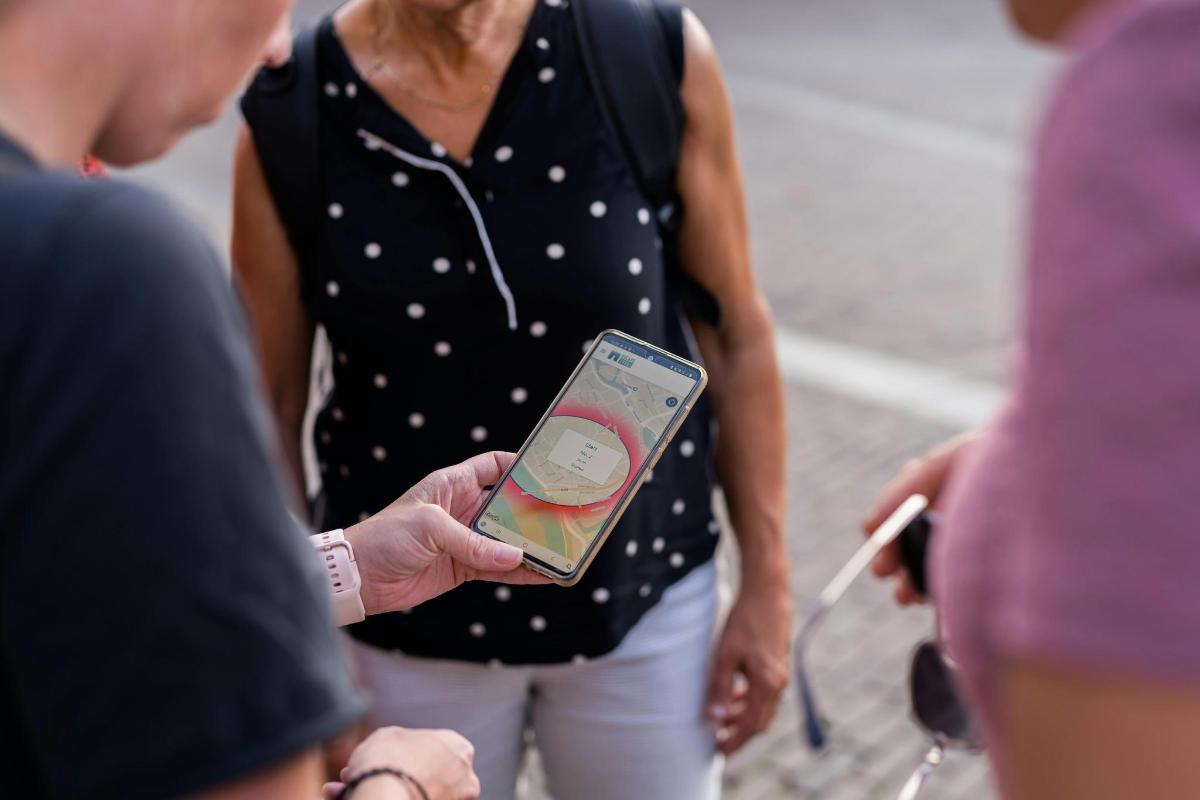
x,y
379,64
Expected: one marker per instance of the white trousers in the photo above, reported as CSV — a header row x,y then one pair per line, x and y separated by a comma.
x,y
627,726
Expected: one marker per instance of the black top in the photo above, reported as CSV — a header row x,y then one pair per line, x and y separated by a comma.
x,y
440,353
164,626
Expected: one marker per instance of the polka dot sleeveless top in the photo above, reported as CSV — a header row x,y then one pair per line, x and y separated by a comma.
x,y
457,298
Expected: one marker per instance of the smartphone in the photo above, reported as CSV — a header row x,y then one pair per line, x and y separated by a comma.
x,y
590,453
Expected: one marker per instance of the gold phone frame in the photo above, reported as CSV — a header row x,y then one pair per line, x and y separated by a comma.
x,y
572,578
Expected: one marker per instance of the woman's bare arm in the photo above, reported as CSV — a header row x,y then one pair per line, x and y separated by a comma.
x,y
746,393
269,277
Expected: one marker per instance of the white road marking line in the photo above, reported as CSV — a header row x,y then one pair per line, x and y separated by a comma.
x,y
925,391
801,104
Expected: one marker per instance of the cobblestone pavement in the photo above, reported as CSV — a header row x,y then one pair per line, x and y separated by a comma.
x,y
882,143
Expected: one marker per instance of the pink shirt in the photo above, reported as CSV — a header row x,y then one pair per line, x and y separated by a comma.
x,y
1071,533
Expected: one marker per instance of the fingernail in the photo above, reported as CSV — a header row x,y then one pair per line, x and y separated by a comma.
x,y
717,711
505,555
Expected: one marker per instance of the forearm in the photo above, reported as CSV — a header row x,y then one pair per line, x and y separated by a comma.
x,y
751,455
291,447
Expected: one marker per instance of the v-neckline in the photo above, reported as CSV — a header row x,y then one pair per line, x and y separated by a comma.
x,y
497,114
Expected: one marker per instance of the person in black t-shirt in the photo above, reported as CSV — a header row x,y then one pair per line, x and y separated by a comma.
x,y
164,628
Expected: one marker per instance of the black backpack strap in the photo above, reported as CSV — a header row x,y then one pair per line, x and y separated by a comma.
x,y
280,107
633,53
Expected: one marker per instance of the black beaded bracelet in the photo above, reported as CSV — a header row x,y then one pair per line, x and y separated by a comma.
x,y
403,776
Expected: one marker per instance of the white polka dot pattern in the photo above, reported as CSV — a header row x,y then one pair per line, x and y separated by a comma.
x,y
444,303
678,506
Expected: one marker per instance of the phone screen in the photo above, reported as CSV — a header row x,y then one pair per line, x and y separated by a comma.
x,y
590,451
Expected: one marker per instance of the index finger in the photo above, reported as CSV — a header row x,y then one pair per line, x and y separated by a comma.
x,y
521,576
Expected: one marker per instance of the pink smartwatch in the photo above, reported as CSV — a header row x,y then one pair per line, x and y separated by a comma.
x,y
345,584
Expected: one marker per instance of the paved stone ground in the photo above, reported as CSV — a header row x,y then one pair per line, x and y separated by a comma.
x,y
882,143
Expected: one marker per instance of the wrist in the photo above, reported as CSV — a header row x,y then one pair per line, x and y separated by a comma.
x,y
765,567
383,783
364,556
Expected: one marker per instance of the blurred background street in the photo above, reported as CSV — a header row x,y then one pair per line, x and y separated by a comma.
x,y
883,148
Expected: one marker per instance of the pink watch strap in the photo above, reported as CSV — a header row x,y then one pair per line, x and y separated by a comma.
x,y
345,584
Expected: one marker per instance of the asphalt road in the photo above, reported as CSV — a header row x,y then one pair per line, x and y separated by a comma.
x,y
883,144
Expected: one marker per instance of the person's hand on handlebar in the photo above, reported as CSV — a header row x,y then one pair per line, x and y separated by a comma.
x,y
926,476
437,761
420,546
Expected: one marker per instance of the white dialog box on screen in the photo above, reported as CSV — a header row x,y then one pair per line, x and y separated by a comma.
x,y
584,456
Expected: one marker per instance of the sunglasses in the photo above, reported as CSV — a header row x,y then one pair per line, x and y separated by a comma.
x,y
940,712
936,705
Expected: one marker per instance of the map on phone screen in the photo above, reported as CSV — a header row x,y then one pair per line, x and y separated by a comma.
x,y
581,462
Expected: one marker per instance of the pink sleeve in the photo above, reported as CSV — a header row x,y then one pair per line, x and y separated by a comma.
x,y
1109,395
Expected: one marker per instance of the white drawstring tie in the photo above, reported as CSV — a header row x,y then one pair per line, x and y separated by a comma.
x,y
377,143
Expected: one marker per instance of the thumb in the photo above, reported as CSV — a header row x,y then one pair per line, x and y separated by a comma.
x,y
475,550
